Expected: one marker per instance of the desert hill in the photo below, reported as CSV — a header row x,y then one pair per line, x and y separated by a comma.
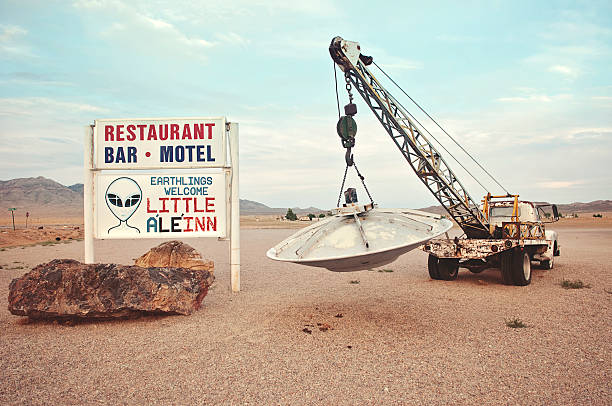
x,y
40,196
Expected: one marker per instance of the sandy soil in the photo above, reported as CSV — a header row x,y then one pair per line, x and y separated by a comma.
x,y
393,338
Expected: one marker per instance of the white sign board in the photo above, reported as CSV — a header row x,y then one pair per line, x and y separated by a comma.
x,y
160,205
144,179
159,143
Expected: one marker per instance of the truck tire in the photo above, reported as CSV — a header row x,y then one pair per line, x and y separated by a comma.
x,y
506,267
548,263
448,269
521,267
432,267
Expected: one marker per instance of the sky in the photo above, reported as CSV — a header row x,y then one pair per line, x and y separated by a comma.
x,y
524,86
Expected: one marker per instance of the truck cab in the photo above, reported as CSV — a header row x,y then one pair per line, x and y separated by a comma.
x,y
511,218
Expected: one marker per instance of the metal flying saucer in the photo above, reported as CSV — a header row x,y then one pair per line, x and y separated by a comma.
x,y
357,238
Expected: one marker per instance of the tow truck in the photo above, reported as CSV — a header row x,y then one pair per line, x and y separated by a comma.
x,y
500,231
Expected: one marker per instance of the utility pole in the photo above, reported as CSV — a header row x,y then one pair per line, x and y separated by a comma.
x,y
12,210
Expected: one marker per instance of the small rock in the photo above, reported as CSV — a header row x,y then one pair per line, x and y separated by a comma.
x,y
325,327
307,330
339,315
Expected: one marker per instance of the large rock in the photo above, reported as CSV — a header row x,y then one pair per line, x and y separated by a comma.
x,y
68,288
175,254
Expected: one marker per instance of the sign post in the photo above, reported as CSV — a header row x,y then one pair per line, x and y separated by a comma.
x,y
235,205
12,210
162,178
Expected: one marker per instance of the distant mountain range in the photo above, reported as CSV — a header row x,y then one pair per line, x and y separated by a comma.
x,y
566,208
45,197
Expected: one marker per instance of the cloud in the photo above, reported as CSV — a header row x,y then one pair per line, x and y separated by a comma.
x,y
232,38
455,39
559,184
10,38
402,64
134,25
538,98
29,78
587,134
9,32
390,62
564,70
33,106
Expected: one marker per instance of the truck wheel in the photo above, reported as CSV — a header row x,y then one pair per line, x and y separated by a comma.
x,y
521,267
448,268
432,267
506,267
548,263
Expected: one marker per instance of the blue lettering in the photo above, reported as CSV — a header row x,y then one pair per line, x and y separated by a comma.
x,y
151,223
108,155
165,154
179,153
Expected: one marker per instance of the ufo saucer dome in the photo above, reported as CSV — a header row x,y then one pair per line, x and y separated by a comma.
x,y
355,240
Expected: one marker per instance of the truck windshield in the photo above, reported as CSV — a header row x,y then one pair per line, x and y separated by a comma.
x,y
503,211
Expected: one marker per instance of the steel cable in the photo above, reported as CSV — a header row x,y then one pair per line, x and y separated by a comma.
x,y
445,132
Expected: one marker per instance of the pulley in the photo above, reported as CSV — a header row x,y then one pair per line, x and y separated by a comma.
x,y
347,129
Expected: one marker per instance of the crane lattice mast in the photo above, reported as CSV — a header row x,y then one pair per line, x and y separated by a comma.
x,y
420,153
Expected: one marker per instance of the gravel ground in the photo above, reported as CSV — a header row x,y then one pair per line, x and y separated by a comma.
x,y
393,338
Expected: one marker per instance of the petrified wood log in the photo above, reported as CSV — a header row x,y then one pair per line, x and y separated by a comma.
x,y
175,254
68,288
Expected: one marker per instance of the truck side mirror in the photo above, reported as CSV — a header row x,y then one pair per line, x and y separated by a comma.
x,y
555,212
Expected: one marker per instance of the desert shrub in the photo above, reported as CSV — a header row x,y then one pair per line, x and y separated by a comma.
x,y
577,284
515,323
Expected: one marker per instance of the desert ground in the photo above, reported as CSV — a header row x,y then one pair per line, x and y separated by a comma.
x,y
299,335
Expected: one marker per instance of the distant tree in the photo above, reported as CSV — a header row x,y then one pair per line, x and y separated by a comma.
x,y
547,215
598,215
290,215
311,216
321,215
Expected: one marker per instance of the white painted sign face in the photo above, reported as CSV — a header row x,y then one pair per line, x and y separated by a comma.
x,y
153,205
159,143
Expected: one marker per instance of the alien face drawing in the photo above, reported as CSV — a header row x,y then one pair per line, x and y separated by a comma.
x,y
123,196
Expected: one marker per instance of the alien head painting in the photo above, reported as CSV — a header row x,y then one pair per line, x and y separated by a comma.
x,y
123,197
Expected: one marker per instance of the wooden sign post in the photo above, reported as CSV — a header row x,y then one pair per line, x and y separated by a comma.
x,y
12,210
